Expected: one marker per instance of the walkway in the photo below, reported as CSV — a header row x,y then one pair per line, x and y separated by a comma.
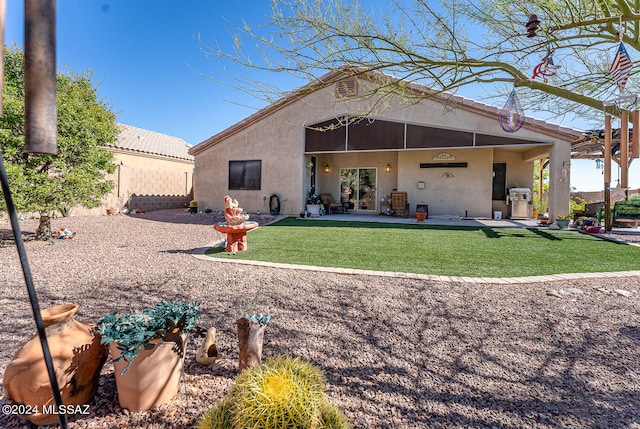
x,y
433,220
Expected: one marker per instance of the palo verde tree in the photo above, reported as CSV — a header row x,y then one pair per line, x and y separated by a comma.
x,y
74,177
447,45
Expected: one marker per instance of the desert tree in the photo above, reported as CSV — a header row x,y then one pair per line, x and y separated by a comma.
x,y
444,46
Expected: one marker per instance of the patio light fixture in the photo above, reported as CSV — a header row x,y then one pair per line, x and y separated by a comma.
x,y
388,168
327,169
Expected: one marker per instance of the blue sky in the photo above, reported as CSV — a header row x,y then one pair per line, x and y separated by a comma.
x,y
146,58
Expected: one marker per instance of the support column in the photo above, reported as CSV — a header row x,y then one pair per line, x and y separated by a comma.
x,y
559,180
607,173
624,152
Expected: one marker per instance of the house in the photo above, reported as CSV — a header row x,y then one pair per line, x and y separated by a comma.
x,y
447,152
154,171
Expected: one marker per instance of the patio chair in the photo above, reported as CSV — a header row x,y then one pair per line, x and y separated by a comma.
x,y
399,204
329,204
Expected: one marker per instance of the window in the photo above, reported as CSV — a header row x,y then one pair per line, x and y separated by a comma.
x,y
245,175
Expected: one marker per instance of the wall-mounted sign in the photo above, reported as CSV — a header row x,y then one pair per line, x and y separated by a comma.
x,y
443,165
444,156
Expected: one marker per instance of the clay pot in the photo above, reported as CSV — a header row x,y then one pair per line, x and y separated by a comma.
x,y
250,338
153,378
208,354
77,358
421,216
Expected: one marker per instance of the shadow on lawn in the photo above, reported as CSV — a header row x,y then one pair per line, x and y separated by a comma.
x,y
488,231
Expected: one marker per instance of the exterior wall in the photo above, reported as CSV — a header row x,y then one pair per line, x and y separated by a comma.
x,y
146,182
277,139
329,183
277,142
448,191
519,175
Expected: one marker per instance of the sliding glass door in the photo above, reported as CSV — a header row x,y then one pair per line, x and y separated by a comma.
x,y
358,188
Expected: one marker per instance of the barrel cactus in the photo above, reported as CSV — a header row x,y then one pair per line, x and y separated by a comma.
x,y
283,392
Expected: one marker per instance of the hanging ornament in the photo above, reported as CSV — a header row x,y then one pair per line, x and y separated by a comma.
x,y
511,116
621,67
546,68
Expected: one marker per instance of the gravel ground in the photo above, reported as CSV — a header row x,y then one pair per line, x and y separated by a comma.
x,y
397,353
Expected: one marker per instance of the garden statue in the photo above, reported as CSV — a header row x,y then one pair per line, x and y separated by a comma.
x,y
236,226
233,213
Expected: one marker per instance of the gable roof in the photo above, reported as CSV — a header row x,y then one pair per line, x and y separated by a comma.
x,y
149,142
345,72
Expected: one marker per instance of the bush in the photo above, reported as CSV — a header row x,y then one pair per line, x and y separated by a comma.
x,y
282,393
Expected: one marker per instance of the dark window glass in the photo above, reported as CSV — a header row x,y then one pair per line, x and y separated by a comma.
x,y
245,175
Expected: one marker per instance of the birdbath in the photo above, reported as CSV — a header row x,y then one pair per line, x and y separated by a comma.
x,y
236,234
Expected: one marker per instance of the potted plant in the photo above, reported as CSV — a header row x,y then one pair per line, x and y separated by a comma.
x,y
147,348
250,339
563,222
421,215
193,206
314,203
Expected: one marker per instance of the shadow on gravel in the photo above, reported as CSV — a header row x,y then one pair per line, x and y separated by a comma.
x,y
436,365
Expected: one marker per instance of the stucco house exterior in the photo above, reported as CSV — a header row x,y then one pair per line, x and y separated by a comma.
x,y
154,171
444,151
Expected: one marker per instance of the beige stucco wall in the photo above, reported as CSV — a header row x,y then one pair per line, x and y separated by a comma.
x,y
278,140
148,182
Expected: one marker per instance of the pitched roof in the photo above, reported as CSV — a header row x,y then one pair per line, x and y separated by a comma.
x,y
347,71
144,141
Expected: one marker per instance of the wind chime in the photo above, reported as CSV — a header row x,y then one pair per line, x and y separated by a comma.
x,y
511,116
620,71
40,137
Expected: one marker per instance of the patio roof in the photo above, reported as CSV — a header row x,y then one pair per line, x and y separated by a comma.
x,y
591,145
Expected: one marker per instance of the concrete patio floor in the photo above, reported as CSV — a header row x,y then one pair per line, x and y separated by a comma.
x,y
432,220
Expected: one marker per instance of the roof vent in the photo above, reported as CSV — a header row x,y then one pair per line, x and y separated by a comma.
x,y
346,88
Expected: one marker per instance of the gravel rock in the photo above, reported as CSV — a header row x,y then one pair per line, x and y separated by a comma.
x,y
397,352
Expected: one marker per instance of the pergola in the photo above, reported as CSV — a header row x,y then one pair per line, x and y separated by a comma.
x,y
620,145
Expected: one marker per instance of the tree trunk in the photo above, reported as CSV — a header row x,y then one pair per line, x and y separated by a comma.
x,y
44,228
250,337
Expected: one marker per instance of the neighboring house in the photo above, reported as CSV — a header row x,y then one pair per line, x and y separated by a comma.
x,y
155,171
445,151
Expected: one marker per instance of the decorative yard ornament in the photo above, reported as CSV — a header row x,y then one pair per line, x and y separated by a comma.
x,y
546,68
511,116
532,25
621,67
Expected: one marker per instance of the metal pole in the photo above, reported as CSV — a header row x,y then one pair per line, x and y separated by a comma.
x,y
40,112
33,298
17,234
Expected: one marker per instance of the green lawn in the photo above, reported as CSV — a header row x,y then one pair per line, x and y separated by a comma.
x,y
441,250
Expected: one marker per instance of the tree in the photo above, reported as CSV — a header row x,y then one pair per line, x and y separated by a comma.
x,y
447,46
76,176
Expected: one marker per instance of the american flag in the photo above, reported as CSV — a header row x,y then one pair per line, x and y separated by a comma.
x,y
621,67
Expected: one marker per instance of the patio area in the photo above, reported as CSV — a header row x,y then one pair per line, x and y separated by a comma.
x,y
432,220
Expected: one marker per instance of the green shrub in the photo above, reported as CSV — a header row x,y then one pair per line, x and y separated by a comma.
x,y
282,393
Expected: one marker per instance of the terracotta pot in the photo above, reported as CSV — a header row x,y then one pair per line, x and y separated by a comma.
x,y
250,339
152,379
421,216
77,357
112,212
